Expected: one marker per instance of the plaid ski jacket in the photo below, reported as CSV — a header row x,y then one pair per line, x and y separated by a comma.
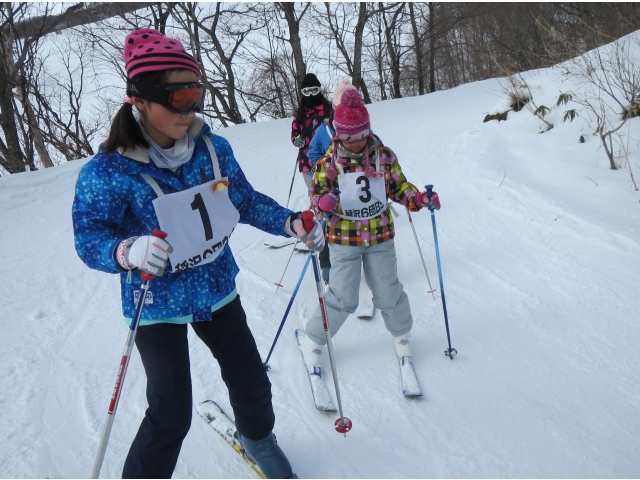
x,y
370,231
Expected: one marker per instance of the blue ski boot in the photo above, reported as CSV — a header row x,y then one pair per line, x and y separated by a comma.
x,y
268,456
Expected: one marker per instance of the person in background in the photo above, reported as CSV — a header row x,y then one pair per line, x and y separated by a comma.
x,y
360,229
318,147
312,110
152,163
323,135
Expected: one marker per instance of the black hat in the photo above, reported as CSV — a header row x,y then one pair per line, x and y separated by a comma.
x,y
310,80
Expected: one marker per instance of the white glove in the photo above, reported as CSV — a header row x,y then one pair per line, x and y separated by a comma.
x,y
313,239
148,253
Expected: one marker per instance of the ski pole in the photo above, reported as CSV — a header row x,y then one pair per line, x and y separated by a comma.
x,y
122,371
431,289
279,283
295,166
450,352
342,424
284,318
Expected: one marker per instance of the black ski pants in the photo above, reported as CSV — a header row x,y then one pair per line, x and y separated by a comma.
x,y
164,352
324,256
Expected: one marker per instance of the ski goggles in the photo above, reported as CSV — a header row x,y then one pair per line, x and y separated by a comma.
x,y
182,98
352,137
308,91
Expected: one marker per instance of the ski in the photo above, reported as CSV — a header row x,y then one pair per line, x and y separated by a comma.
x,y
279,242
366,309
410,385
221,423
319,391
302,248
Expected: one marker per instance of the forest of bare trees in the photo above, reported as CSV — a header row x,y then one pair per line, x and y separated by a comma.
x,y
62,76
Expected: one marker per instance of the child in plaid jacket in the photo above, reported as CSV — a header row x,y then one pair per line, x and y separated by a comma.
x,y
351,186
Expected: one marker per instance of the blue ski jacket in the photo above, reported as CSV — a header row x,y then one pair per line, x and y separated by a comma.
x,y
320,142
113,202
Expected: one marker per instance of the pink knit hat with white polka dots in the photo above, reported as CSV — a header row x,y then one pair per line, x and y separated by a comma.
x,y
148,50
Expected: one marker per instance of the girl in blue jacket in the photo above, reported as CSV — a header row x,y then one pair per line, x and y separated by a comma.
x,y
165,170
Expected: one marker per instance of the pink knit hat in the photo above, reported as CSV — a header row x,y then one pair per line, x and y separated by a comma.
x,y
148,50
351,118
343,86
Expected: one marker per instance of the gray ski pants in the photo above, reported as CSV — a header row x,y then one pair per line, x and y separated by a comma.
x,y
341,299
308,178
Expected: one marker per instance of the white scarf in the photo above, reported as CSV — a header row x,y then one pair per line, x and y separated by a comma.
x,y
171,158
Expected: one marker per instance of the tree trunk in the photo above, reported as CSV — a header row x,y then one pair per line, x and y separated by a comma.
x,y
391,49
38,141
418,49
13,159
76,15
288,8
381,79
432,49
358,81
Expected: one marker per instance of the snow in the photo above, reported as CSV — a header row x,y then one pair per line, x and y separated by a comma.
x,y
540,249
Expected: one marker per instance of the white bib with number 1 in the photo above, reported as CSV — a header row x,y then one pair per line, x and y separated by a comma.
x,y
198,223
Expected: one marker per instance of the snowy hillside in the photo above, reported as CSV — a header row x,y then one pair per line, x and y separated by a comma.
x,y
540,248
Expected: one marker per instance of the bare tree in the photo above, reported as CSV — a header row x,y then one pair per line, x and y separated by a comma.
x,y
339,18
609,81
293,20
274,86
393,36
215,38
16,58
79,14
418,47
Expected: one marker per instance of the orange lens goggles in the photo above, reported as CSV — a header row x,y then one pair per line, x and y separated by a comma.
x,y
185,97
180,98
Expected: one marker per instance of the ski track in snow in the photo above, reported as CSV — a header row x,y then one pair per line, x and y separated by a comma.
x,y
540,268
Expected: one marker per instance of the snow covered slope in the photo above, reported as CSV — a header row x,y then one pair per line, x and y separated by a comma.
x,y
540,247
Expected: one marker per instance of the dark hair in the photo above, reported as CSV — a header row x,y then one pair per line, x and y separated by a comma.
x,y
125,133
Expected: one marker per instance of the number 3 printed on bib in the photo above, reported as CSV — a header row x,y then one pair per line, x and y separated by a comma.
x,y
361,196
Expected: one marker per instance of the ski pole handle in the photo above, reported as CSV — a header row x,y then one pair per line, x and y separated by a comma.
x,y
429,192
160,234
307,220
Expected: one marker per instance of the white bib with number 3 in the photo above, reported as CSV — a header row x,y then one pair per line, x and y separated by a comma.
x,y
361,196
198,223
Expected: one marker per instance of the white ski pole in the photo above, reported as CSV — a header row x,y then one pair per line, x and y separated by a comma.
x,y
122,371
431,289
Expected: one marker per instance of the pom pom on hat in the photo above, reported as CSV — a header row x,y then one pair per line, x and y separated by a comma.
x,y
342,87
351,116
352,99
147,50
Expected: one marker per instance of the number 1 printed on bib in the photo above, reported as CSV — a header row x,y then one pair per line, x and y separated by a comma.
x,y
198,222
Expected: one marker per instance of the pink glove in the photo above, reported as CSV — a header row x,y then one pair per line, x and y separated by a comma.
x,y
424,201
329,202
